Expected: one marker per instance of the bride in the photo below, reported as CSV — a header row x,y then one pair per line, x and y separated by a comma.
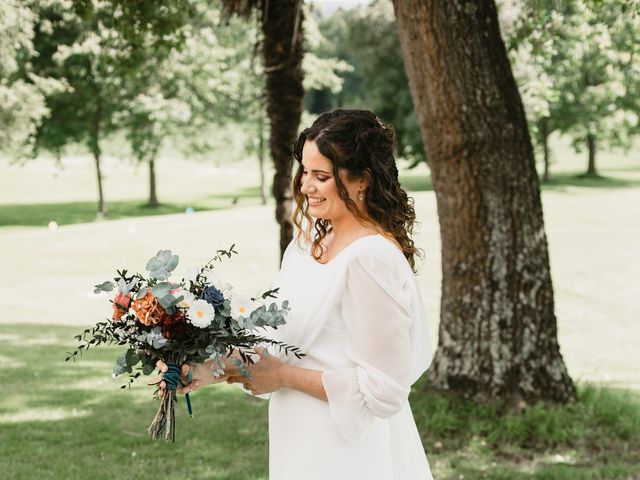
x,y
342,411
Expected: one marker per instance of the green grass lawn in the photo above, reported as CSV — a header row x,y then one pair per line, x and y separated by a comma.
x,y
40,214
71,420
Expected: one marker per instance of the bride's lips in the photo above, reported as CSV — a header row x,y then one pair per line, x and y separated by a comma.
x,y
315,201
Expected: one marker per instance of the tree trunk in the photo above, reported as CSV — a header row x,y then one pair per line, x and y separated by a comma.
x,y
94,146
544,132
263,184
282,48
497,334
591,144
153,193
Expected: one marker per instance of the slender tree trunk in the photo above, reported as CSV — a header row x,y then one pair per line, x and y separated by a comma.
x,y
282,47
591,145
544,131
498,334
94,146
263,183
153,192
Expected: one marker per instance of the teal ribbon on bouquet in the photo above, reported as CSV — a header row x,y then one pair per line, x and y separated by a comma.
x,y
172,378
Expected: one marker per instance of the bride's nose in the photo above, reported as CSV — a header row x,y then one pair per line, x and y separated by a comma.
x,y
306,186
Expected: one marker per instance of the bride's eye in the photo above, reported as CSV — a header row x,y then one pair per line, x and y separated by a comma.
x,y
323,179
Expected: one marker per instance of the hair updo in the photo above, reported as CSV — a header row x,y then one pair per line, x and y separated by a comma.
x,y
357,142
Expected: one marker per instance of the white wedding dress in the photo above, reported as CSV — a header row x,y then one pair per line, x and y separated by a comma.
x,y
360,319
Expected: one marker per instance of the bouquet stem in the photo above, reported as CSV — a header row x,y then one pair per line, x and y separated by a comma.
x,y
164,423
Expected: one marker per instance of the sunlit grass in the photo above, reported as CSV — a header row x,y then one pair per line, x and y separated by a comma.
x,y
40,214
71,420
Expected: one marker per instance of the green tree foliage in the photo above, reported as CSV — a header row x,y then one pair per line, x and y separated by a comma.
x,y
22,93
197,85
366,38
103,50
577,65
78,44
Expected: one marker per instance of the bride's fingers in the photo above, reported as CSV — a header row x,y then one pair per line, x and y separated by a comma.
x,y
192,387
162,366
184,374
155,380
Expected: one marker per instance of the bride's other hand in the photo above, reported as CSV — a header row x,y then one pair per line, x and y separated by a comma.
x,y
267,374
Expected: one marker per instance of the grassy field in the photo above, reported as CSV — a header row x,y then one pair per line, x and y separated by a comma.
x,y
61,420
70,420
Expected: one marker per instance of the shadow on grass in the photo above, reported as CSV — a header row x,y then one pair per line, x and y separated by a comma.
x,y
422,183
56,423
561,180
41,214
96,430
597,437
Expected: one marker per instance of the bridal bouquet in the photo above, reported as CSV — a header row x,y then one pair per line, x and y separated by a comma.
x,y
188,321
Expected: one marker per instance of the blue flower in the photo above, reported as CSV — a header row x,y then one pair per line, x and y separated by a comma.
x,y
213,296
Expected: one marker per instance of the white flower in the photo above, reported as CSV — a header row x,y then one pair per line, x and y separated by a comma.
x,y
201,313
241,306
227,291
188,299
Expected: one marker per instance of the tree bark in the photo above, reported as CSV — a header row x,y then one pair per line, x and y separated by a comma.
x,y
94,146
498,333
282,48
153,191
544,132
591,145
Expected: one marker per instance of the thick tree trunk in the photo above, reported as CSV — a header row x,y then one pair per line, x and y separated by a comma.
x,y
282,45
544,132
591,145
94,146
153,190
498,334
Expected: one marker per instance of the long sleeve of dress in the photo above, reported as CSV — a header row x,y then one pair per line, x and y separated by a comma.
x,y
376,308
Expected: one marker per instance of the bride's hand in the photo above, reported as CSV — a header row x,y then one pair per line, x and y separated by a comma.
x,y
202,374
267,374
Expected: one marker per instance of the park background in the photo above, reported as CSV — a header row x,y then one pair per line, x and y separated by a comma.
x,y
63,420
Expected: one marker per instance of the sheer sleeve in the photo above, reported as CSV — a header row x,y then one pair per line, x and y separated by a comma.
x,y
376,308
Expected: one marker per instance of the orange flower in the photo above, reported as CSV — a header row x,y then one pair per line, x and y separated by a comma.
x,y
120,306
148,310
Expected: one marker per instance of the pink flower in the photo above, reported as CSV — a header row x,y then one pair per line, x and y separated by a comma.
x,y
120,306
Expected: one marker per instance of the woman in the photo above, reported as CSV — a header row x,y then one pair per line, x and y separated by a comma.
x,y
341,412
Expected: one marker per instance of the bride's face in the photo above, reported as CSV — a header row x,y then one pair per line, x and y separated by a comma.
x,y
318,184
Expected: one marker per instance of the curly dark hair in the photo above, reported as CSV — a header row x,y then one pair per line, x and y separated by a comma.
x,y
357,142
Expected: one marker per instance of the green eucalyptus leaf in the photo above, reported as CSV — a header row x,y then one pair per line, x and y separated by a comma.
x,y
121,360
131,357
172,263
104,287
153,264
142,292
161,289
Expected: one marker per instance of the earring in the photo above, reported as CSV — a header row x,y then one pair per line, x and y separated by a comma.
x,y
360,195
